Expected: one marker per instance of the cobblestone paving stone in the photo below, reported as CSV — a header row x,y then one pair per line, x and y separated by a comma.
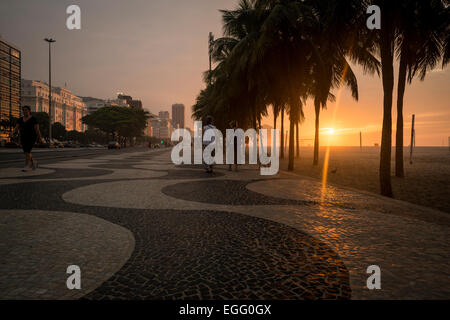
x,y
218,255
154,166
16,173
115,165
36,247
72,173
227,192
240,235
231,255
190,174
312,189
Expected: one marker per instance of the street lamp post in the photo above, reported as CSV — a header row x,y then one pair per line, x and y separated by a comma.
x,y
50,41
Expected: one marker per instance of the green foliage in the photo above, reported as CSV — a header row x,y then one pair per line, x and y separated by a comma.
x,y
58,131
43,121
118,121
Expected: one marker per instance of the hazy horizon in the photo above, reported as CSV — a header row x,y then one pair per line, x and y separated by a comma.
x,y
157,51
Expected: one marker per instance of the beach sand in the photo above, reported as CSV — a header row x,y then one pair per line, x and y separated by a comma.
x,y
426,181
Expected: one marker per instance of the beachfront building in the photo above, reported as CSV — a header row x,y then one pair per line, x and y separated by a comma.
x,y
67,108
93,104
10,77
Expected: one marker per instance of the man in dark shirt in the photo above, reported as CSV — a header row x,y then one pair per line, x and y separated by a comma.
x,y
29,132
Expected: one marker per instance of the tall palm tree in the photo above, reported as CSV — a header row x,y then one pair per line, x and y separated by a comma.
x,y
335,41
386,42
274,52
397,26
297,141
282,132
286,52
234,93
420,46
276,112
323,84
295,116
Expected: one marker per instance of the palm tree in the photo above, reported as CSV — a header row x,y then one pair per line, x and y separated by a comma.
x,y
233,93
420,46
322,87
276,111
386,42
297,141
335,41
274,53
282,133
295,116
286,52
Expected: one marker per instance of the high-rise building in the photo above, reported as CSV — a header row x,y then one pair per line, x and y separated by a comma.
x,y
178,115
165,129
161,127
149,129
10,77
164,115
155,125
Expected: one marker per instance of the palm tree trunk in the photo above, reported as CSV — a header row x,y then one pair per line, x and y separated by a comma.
x,y
387,66
291,142
399,170
297,140
255,118
275,116
282,133
316,137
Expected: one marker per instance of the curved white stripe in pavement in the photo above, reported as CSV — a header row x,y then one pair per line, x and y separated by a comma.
x,y
42,244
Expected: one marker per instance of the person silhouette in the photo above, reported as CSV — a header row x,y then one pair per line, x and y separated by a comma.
x,y
29,131
209,126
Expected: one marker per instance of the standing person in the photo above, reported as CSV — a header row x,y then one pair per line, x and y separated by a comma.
x,y
233,125
209,126
29,132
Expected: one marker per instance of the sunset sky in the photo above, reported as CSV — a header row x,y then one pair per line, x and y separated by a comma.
x,y
156,51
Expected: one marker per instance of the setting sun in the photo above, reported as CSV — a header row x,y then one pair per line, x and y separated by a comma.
x,y
328,131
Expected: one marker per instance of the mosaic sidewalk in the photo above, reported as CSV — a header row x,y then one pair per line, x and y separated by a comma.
x,y
141,228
